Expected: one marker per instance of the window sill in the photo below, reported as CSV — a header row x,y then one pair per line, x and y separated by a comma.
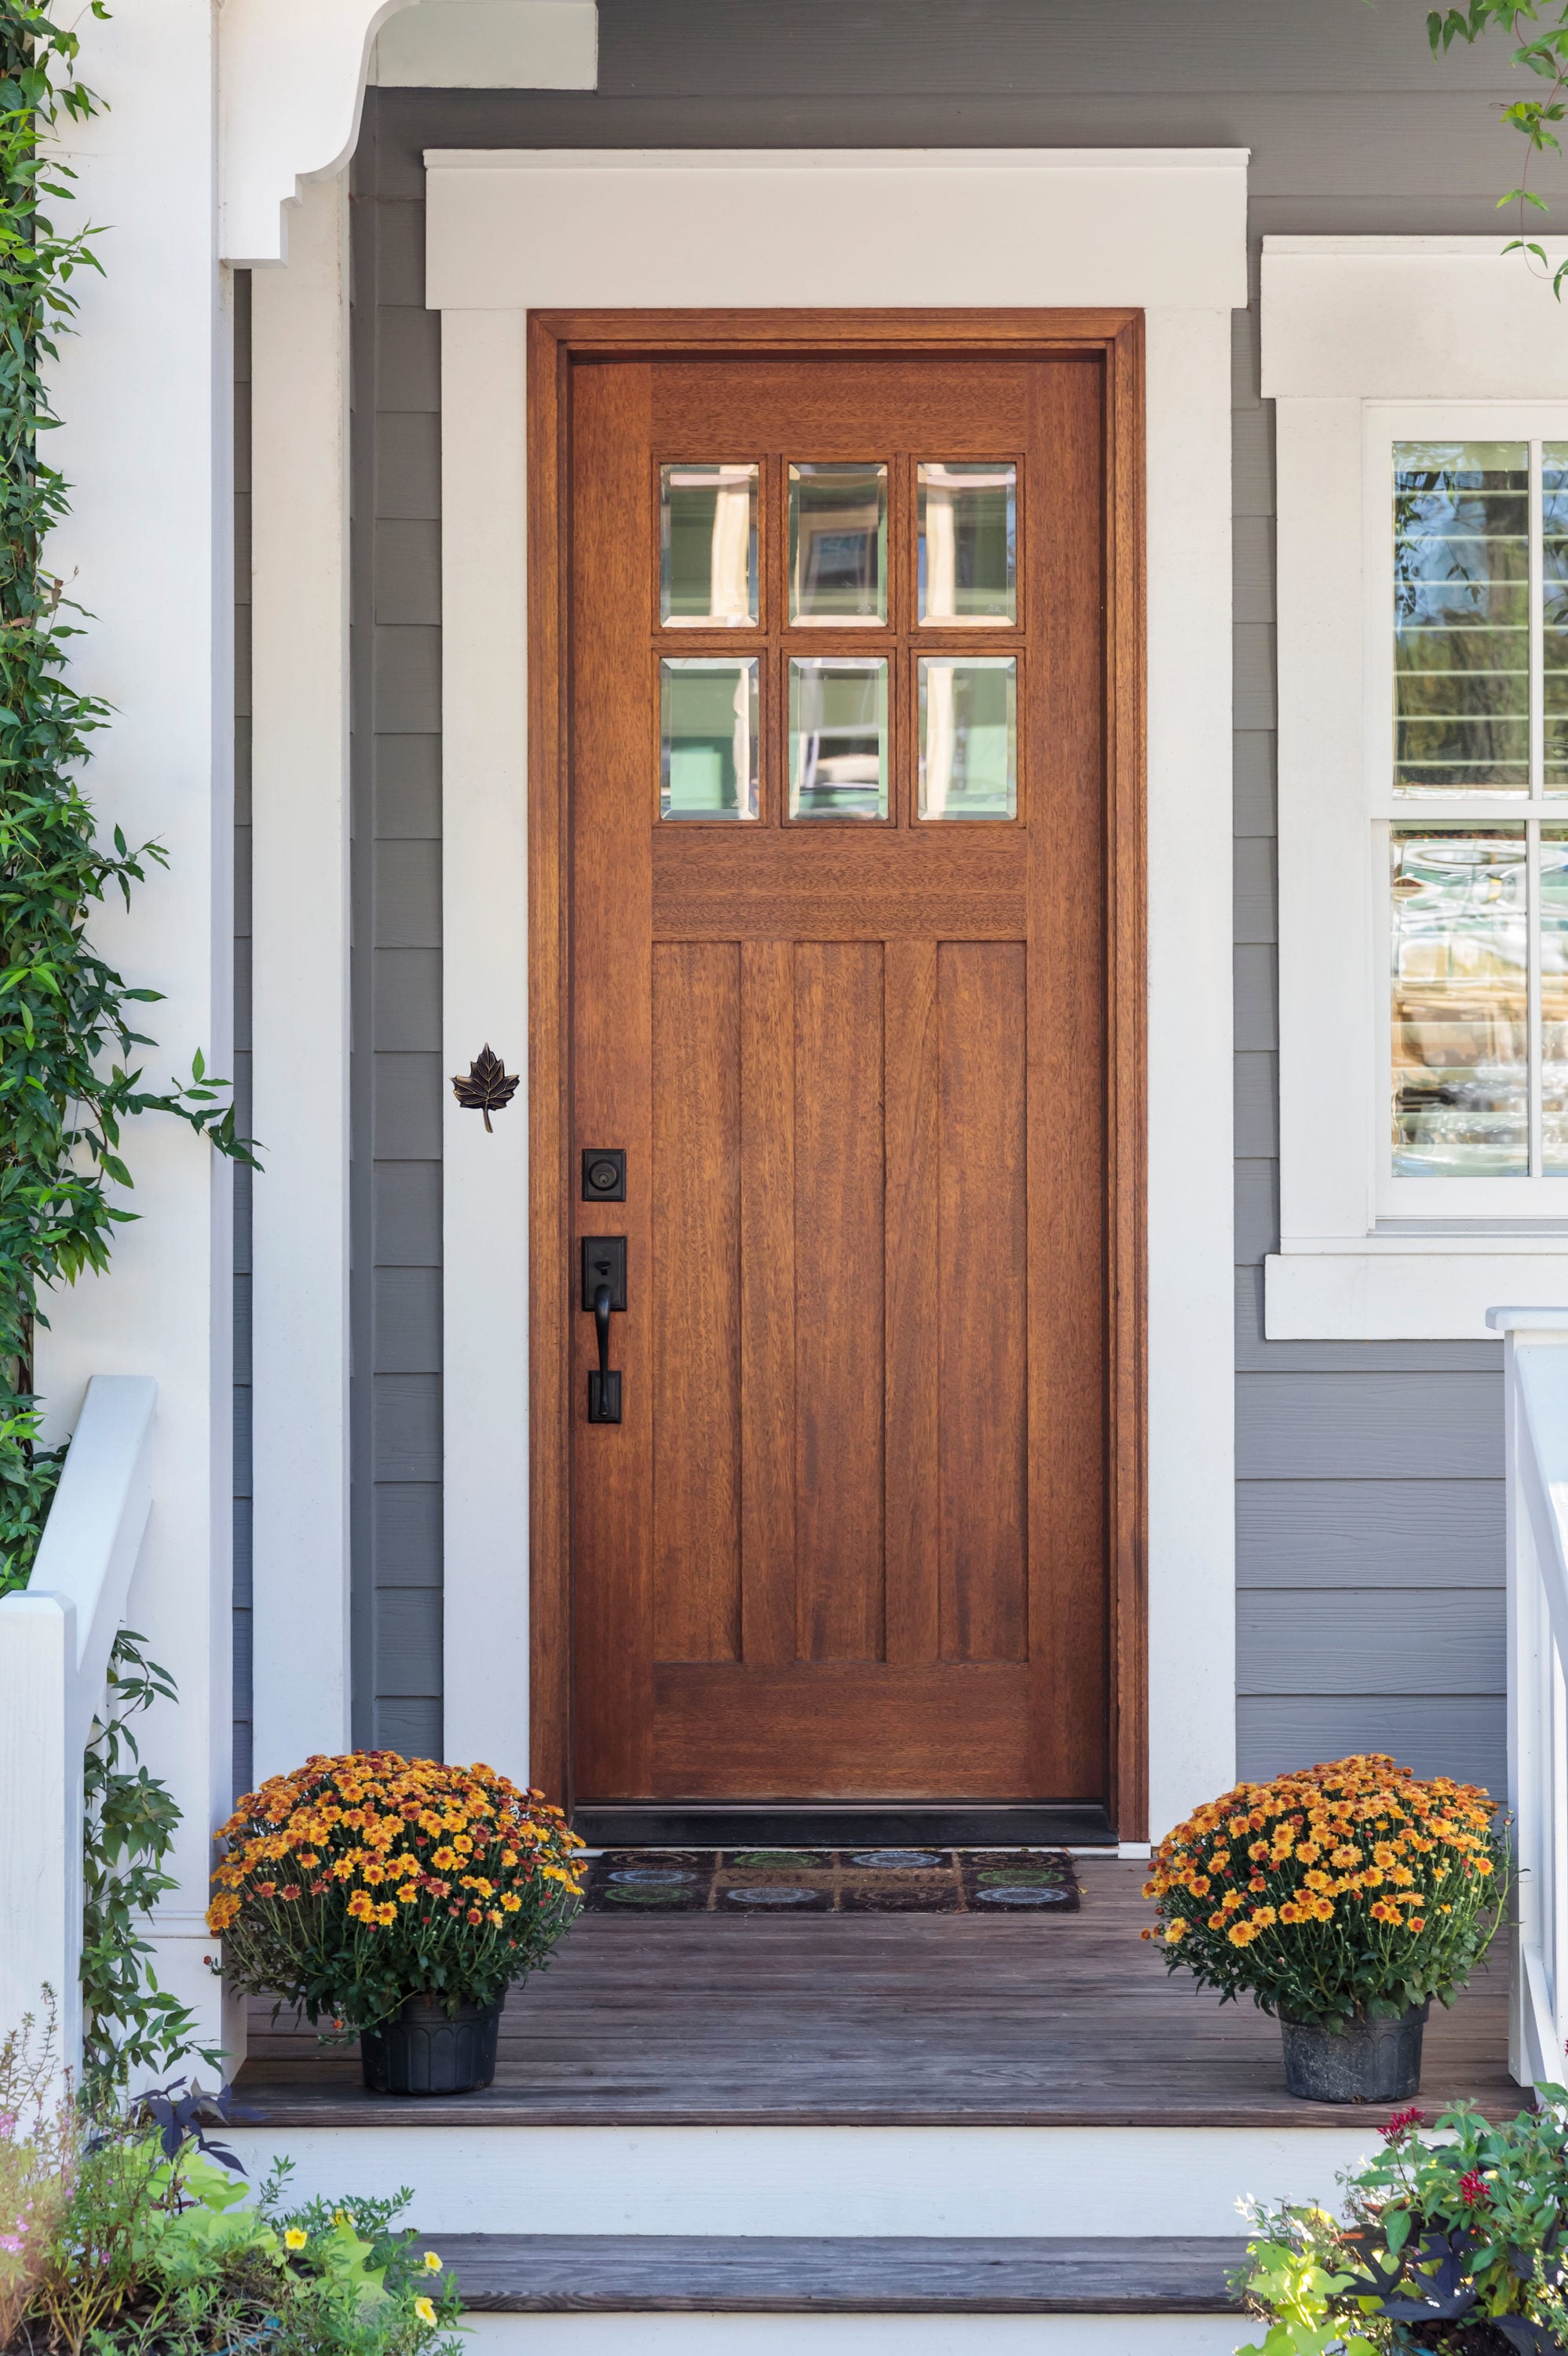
x,y
1401,1289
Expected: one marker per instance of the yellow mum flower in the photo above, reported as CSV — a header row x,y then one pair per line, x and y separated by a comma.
x,y
432,2263
294,2239
425,2310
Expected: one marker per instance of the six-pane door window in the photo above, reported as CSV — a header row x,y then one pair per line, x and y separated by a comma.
x,y
793,549
1478,900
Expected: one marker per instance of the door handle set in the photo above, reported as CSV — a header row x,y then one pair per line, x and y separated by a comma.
x,y
603,1291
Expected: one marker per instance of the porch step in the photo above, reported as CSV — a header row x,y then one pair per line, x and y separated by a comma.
x,y
662,2273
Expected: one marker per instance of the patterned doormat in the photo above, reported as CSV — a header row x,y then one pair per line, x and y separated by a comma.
x,y
756,1881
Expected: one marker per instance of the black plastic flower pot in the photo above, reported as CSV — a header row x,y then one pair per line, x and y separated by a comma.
x,y
426,2050
1367,2061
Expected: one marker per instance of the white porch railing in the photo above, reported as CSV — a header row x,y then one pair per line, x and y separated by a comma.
x,y
1536,1391
54,1641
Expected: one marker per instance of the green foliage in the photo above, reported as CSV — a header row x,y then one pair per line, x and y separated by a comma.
x,y
1450,2229
1540,35
129,2022
69,1079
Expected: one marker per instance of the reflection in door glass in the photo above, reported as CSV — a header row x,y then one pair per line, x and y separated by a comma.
x,y
837,738
708,546
707,756
969,736
968,543
839,544
1460,1002
1555,613
1461,630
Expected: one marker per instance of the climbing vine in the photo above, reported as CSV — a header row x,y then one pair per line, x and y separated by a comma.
x,y
1541,47
69,1079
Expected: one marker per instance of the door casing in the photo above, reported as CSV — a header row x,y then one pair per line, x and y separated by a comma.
x,y
555,340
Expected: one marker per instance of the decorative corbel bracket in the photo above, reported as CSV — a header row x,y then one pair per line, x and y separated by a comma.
x,y
291,82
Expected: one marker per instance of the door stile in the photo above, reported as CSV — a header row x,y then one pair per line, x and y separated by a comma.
x,y
611,1039
1126,1010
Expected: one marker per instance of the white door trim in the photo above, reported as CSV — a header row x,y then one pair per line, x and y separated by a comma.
x,y
1163,230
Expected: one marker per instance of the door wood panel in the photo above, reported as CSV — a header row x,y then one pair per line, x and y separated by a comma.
x,y
871,1527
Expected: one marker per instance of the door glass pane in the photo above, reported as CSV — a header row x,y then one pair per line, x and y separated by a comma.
x,y
839,544
1461,617
1554,906
708,755
967,525
969,736
708,546
837,738
1460,1002
1554,613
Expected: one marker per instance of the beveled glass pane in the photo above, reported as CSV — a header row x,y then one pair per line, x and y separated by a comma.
x,y
1555,613
839,544
708,755
838,737
1461,617
708,546
1554,906
969,736
1459,907
967,525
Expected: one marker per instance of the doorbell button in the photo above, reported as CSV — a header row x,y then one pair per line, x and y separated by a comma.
x,y
605,1174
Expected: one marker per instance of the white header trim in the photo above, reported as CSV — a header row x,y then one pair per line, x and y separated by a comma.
x,y
585,231
859,227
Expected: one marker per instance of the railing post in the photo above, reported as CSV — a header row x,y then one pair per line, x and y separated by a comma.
x,y
40,1817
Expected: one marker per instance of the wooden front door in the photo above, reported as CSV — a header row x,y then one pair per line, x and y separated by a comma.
x,y
842,901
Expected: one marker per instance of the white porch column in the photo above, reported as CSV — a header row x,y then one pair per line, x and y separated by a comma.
x,y
144,388
299,591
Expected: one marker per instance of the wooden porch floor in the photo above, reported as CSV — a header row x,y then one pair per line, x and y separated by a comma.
x,y
912,2020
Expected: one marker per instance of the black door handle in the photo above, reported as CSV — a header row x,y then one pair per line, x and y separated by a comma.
x,y
603,1290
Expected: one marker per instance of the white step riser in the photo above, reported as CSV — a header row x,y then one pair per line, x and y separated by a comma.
x,y
816,2181
859,2334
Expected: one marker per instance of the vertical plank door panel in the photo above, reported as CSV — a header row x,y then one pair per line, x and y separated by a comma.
x,y
839,1276
767,1301
913,1495
696,1279
983,1360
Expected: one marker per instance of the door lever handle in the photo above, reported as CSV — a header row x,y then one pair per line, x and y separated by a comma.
x,y
603,1291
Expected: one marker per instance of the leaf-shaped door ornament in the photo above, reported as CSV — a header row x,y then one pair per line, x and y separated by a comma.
x,y
486,1085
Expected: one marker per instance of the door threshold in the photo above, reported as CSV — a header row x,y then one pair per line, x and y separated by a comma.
x,y
1042,1824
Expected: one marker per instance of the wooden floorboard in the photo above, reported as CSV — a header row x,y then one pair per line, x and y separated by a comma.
x,y
865,2020
628,2273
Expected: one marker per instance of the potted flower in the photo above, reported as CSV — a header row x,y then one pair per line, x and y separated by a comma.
x,y
1343,1899
1448,2240
399,1897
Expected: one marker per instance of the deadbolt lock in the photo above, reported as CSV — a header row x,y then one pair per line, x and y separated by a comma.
x,y
605,1174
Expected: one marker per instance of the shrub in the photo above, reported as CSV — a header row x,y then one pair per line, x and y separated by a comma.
x,y
1450,2244
357,1883
129,2233
1345,1890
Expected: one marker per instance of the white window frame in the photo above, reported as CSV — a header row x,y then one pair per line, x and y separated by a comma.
x,y
1368,341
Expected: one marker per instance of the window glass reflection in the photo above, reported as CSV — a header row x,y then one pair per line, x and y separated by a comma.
x,y
1461,617
707,757
967,531
837,738
1553,905
839,544
969,736
708,546
1460,1002
1554,613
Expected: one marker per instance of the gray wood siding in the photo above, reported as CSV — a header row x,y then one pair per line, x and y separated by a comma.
x,y
397,1077
243,1549
1368,1501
